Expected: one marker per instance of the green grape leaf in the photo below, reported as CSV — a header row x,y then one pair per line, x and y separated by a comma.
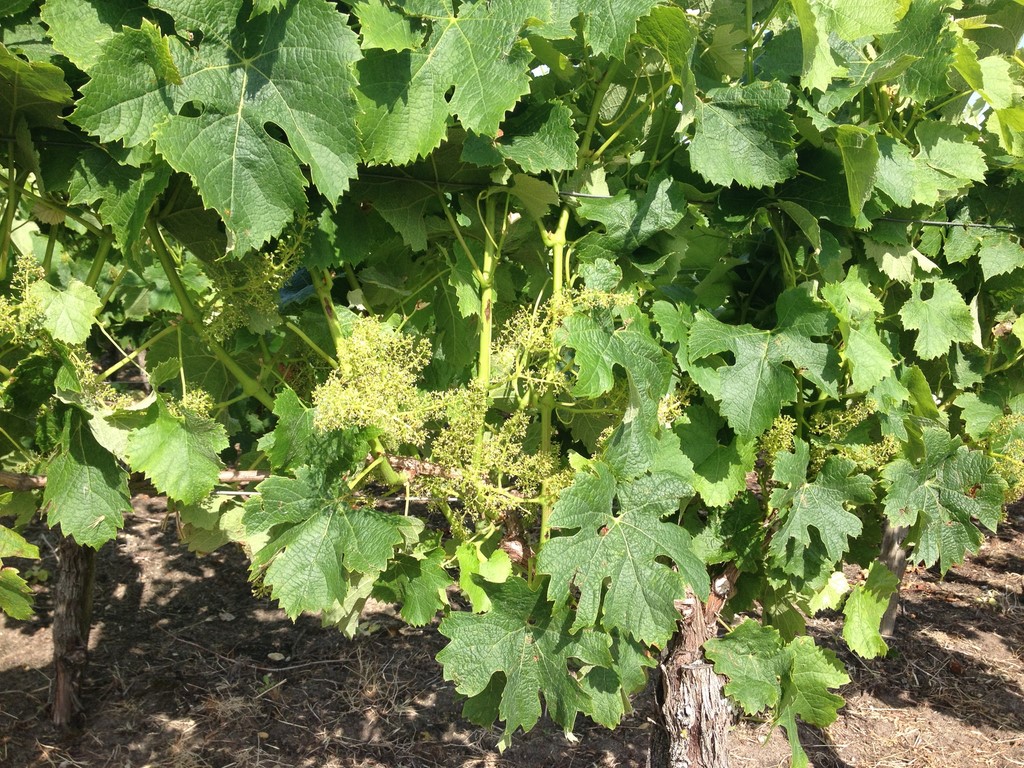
x,y
384,27
315,541
744,135
32,90
764,672
630,219
127,96
598,352
819,65
206,526
295,441
521,640
805,691
752,657
246,78
201,368
899,261
895,172
125,194
999,254
831,596
12,7
534,196
864,609
941,320
940,497
474,55
754,389
179,454
80,28
68,315
609,689
343,614
864,18
612,557
608,24
859,151
671,32
856,306
946,149
86,490
540,139
495,568
13,544
720,471
418,583
15,594
455,333
924,33
979,412
820,504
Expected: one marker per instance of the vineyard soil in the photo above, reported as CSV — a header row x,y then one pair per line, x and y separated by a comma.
x,y
232,683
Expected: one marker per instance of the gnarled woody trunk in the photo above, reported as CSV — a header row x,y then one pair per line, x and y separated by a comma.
x,y
72,619
694,715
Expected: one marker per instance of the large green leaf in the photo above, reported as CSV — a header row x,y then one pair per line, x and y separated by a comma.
x,y
31,91
744,135
859,151
720,470
125,193
758,384
857,307
864,610
80,28
472,54
613,557
821,504
504,659
179,453
940,497
15,594
940,320
418,583
764,672
631,219
86,490
316,541
295,441
244,79
598,352
68,315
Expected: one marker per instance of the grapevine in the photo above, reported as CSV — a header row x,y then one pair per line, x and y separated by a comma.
x,y
669,312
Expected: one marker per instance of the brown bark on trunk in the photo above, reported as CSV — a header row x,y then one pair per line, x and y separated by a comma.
x,y
894,557
72,620
694,715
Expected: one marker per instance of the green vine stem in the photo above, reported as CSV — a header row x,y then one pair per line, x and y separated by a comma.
x,y
323,284
137,351
14,185
595,111
249,385
51,243
487,301
310,343
109,294
556,241
387,472
99,260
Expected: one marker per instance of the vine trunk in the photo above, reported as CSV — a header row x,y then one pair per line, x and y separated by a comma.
x,y
894,556
72,620
693,714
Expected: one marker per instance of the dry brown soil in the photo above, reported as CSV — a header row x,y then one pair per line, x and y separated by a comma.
x,y
189,669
